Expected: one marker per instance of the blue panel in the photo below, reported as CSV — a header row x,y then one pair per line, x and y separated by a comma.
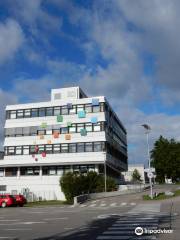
x,y
83,132
82,114
95,102
94,120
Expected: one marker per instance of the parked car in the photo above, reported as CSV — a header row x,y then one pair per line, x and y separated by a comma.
x,y
7,200
20,200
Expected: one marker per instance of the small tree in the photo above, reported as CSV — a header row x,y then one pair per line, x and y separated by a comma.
x,y
136,177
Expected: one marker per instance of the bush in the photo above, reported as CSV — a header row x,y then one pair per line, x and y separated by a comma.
x,y
74,184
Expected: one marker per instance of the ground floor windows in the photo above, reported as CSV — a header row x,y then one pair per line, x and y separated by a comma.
x,y
29,171
10,172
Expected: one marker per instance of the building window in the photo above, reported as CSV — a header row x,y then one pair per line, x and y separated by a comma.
x,y
88,147
26,150
72,147
64,148
72,129
11,150
20,113
48,148
64,130
52,171
42,112
27,113
2,188
1,172
12,114
64,110
57,111
80,147
11,172
29,171
49,111
56,148
18,150
96,109
34,112
88,127
88,108
79,127
97,147
97,127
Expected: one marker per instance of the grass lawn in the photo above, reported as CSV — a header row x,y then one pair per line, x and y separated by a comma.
x,y
45,203
162,196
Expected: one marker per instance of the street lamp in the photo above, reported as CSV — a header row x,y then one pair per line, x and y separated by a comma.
x,y
105,175
150,174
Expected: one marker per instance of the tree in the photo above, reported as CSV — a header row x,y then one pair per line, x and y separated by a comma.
x,y
166,159
136,177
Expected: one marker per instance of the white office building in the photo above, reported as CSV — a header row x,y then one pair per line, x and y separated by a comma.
x,y
71,132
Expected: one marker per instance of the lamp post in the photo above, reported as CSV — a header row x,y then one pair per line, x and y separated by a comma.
x,y
105,175
150,174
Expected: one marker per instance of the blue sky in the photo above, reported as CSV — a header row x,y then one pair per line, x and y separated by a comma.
x,y
126,50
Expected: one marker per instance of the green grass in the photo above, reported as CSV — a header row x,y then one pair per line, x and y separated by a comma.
x,y
45,203
162,196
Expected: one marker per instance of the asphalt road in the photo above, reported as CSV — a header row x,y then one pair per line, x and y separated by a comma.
x,y
109,218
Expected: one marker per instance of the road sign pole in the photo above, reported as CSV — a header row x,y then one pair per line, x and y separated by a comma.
x,y
149,163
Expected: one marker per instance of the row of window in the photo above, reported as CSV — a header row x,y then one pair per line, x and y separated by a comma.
x,y
55,148
46,170
74,128
53,111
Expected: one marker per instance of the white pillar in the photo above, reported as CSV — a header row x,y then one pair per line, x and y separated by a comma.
x,y
18,172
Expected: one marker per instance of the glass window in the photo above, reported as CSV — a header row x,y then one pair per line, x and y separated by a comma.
x,y
64,130
12,114
26,150
56,131
88,147
80,108
11,150
52,171
75,168
83,169
88,127
7,114
56,148
96,109
57,111
41,148
49,111
9,172
48,132
64,148
64,110
97,147
48,148
91,167
27,113
41,132
42,112
20,113
18,131
80,147
34,112
102,107
45,170
72,147
18,150
33,131
88,108
26,131
1,172
60,170
72,110
72,129
96,127
80,126
66,169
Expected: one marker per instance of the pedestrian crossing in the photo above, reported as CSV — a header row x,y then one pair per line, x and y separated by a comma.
x,y
124,227
98,204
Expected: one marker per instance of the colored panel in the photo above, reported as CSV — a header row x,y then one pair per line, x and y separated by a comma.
x,y
67,137
69,105
33,156
41,136
43,125
69,124
36,149
82,114
43,154
59,118
83,132
49,142
95,102
94,120
36,159
56,135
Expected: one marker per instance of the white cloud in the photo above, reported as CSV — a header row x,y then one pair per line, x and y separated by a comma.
x,y
11,39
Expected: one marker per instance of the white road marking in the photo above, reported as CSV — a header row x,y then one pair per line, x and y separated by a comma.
x,y
132,204
29,223
72,206
68,228
113,204
123,204
92,205
5,237
17,229
102,205
61,218
83,205
6,220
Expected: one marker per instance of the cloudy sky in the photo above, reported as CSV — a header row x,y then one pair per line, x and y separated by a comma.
x,y
126,50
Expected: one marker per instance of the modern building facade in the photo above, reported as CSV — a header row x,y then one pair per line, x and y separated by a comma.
x,y
71,132
127,176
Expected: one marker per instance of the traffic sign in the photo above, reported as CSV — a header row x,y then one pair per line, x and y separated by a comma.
x,y
149,170
150,175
